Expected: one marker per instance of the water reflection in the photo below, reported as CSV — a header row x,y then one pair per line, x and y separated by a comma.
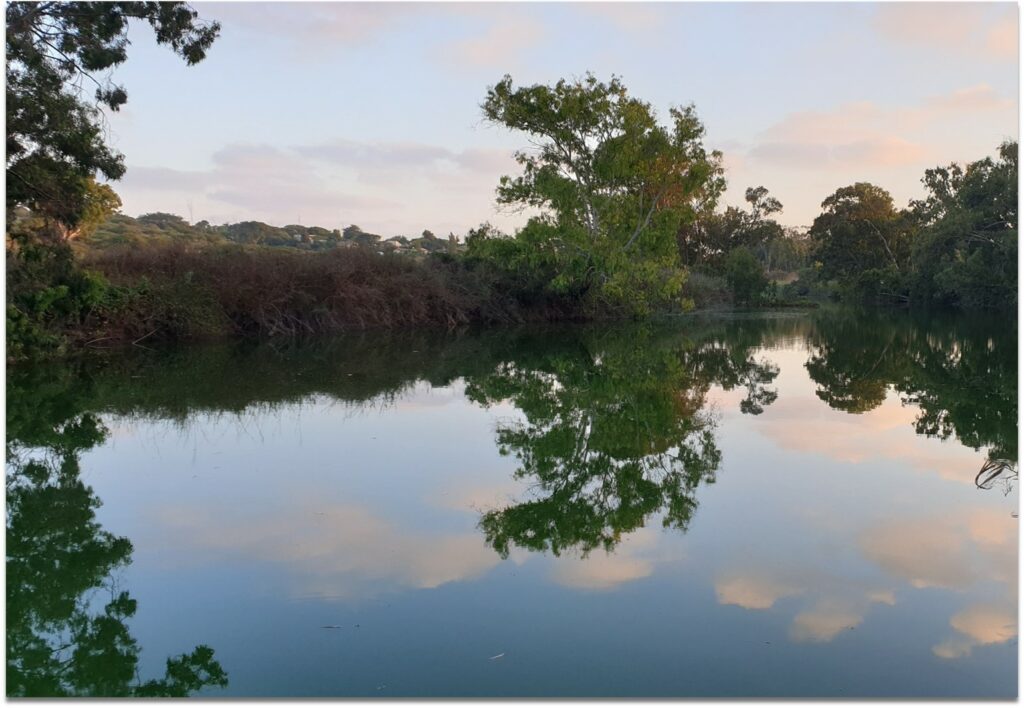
x,y
613,429
612,433
67,619
960,374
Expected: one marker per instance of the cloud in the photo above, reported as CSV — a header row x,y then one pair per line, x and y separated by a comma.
x,y
952,550
864,139
332,184
602,571
498,46
882,151
631,16
976,29
351,153
312,24
263,180
981,97
839,604
387,158
801,425
853,135
824,621
1002,40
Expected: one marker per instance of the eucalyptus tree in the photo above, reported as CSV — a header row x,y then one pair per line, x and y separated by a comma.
x,y
612,185
966,254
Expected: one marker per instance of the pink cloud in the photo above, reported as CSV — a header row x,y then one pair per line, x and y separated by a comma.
x,y
978,29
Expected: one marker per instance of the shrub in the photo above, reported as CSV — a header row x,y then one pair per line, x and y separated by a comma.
x,y
706,290
745,276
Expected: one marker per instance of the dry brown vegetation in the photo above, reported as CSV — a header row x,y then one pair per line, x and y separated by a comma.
x,y
178,292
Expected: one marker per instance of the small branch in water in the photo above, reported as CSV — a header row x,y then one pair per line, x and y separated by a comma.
x,y
136,342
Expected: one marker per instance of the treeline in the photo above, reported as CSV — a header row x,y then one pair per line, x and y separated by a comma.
x,y
160,228
956,247
626,221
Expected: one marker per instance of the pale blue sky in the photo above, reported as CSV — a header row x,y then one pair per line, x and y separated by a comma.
x,y
368,113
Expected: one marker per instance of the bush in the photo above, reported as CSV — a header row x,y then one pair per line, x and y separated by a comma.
x,y
745,276
706,290
48,293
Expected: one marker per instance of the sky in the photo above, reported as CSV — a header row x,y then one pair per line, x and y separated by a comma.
x,y
332,114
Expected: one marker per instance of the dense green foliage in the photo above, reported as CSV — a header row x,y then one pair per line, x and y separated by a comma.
x,y
956,247
732,254
615,429
613,187
56,148
966,252
745,276
705,242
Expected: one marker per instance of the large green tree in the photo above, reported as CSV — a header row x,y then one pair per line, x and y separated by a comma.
x,y
612,184
966,254
59,57
861,238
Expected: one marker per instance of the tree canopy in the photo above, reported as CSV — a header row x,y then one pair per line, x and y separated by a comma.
x,y
56,53
613,185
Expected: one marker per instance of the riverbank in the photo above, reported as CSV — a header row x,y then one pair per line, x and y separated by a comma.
x,y
60,302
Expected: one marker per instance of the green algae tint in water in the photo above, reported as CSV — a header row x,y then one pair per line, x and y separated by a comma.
x,y
798,505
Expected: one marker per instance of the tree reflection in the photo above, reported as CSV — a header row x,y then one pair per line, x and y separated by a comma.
x,y
613,428
67,632
961,374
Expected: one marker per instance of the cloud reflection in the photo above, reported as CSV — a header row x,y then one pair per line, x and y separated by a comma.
x,y
340,551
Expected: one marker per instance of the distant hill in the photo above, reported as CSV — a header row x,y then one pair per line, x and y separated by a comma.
x,y
163,228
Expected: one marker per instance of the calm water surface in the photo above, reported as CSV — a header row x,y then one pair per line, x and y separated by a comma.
x,y
782,505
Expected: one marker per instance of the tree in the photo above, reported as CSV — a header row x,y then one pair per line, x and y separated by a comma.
x,y
745,276
612,184
859,230
706,240
55,140
959,373
56,148
966,254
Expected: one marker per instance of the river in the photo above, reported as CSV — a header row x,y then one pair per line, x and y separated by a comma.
x,y
767,505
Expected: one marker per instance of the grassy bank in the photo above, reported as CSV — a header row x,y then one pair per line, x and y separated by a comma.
x,y
59,302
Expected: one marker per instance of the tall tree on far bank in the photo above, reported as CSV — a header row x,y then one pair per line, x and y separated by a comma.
x,y
858,230
58,59
612,183
707,240
966,254
864,243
